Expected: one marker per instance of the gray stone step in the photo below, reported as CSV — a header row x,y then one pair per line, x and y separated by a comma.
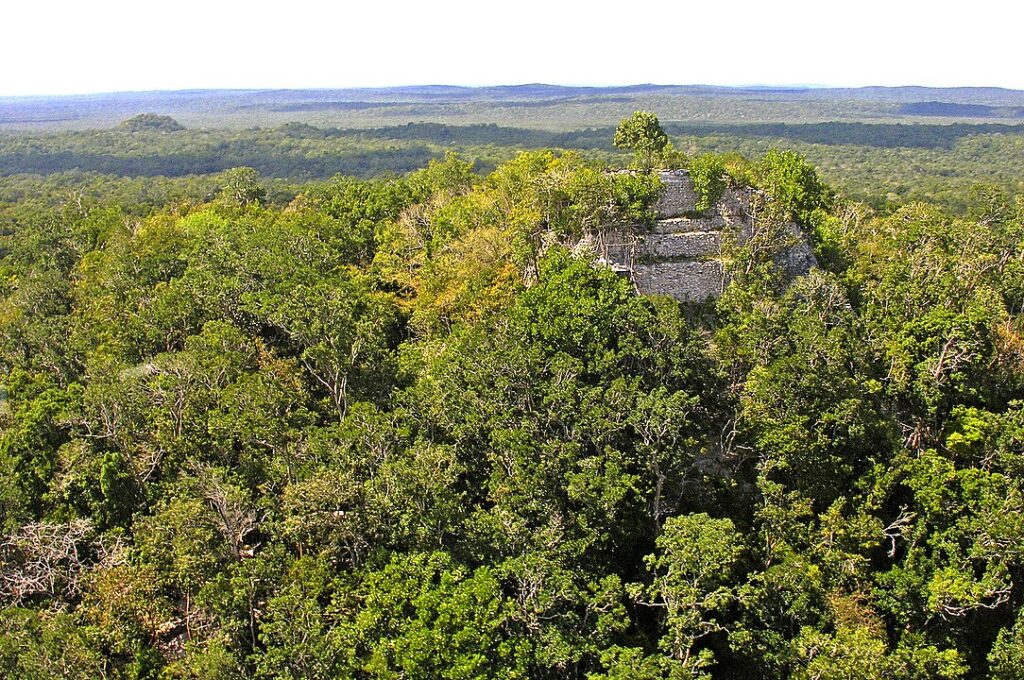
x,y
680,224
681,244
693,281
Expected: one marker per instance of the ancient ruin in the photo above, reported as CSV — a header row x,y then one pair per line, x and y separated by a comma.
x,y
680,254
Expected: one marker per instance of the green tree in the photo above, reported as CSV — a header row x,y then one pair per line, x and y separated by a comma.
x,y
691,575
708,174
642,134
791,181
1007,656
241,187
36,645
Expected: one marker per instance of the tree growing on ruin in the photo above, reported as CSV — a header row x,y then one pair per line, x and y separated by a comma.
x,y
642,134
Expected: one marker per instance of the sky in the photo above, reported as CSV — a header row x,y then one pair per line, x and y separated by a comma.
x,y
85,46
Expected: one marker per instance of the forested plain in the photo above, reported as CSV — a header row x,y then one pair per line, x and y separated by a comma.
x,y
283,423
881,164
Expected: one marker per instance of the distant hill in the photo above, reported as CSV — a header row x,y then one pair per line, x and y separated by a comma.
x,y
534,105
151,122
958,110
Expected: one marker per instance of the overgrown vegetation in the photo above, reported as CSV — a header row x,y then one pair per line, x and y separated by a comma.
x,y
708,174
391,428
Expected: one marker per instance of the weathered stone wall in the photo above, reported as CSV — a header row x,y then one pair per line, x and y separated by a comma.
x,y
687,280
680,254
679,197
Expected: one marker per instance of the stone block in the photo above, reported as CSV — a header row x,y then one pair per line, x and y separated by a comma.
x,y
679,197
678,245
688,281
675,225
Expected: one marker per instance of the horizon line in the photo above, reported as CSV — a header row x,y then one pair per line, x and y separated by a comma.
x,y
748,86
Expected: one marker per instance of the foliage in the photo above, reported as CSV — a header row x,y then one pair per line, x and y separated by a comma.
x,y
793,183
886,164
403,427
708,174
642,134
151,122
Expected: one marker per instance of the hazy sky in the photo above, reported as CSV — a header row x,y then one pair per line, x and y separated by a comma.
x,y
58,47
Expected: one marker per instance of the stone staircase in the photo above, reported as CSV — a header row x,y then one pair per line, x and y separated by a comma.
x,y
680,254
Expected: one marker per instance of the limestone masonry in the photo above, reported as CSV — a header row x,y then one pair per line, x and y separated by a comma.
x,y
680,254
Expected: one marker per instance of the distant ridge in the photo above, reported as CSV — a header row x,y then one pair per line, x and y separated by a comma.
x,y
376,106
530,90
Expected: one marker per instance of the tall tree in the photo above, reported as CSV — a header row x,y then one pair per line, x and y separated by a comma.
x,y
642,134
